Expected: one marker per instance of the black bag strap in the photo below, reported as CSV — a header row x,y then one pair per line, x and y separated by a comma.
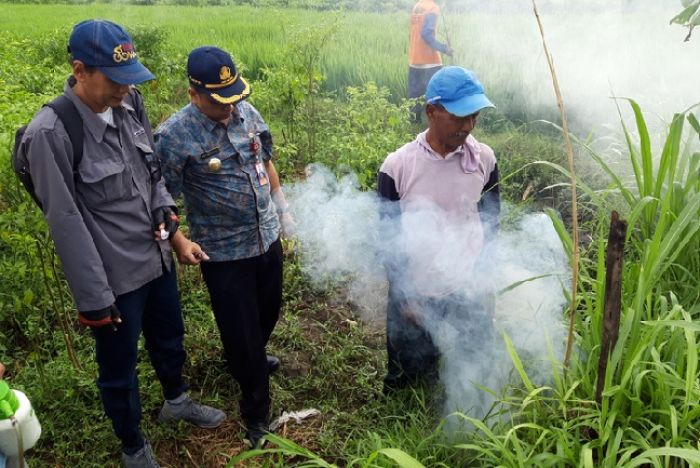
x,y
136,100
69,115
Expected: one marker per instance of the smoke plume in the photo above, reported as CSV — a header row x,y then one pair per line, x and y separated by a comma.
x,y
600,49
519,280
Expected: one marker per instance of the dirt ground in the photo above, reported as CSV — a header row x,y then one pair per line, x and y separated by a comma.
x,y
206,448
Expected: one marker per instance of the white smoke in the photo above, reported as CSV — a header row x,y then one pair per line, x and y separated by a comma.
x,y
528,270
338,226
339,233
625,48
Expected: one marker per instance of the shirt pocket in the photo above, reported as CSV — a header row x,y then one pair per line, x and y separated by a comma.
x,y
149,158
102,181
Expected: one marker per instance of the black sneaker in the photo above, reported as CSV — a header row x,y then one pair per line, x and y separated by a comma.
x,y
255,435
273,364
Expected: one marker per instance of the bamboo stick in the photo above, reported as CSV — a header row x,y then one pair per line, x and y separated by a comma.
x,y
574,202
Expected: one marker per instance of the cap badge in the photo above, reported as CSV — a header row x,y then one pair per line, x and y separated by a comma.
x,y
225,73
124,52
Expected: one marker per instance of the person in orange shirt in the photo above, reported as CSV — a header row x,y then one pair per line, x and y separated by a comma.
x,y
424,50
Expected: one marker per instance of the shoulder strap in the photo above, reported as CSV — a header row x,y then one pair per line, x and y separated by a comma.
x,y
136,100
69,115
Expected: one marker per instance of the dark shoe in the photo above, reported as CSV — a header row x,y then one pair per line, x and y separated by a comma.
x,y
273,363
192,412
255,435
393,384
144,458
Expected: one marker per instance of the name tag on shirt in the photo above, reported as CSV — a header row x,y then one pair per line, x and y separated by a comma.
x,y
262,175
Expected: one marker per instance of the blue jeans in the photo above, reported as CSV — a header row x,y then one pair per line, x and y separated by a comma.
x,y
154,308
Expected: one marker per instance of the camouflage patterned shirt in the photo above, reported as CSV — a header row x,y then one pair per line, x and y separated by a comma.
x,y
217,169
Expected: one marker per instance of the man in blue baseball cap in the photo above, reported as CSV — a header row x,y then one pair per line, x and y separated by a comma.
x,y
217,153
90,157
447,180
107,47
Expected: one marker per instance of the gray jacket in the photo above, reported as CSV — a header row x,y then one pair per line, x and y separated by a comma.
x,y
100,218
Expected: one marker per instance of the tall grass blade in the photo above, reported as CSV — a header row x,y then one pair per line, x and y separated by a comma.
x,y
688,455
518,364
669,155
402,458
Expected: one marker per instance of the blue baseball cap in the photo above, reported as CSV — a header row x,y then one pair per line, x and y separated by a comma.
x,y
212,71
109,48
458,91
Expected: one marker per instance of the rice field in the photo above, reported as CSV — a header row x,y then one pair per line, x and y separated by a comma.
x,y
364,47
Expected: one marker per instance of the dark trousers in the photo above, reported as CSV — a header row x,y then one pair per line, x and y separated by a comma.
x,y
418,79
155,309
246,296
412,353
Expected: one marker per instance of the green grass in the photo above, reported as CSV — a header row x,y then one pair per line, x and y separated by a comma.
x,y
365,47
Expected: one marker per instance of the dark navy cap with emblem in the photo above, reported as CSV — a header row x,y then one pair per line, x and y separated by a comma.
x,y
109,48
211,70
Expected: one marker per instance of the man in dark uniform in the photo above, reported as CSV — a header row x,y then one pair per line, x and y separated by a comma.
x,y
217,152
109,216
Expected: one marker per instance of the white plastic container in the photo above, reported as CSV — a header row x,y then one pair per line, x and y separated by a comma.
x,y
29,427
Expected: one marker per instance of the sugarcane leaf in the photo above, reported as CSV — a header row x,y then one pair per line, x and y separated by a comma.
x,y
402,458
512,286
684,16
689,455
694,122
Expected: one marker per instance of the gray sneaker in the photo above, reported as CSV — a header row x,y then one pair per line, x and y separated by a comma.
x,y
192,412
144,458
12,462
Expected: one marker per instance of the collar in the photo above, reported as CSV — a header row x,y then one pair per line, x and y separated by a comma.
x,y
469,153
91,121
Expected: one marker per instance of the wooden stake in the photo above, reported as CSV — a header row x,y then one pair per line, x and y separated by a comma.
x,y
613,297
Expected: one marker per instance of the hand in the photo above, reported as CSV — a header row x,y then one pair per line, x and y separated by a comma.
x,y
101,317
449,51
189,253
165,221
2,370
412,314
289,227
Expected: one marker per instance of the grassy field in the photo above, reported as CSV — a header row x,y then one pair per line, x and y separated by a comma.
x,y
363,47
359,47
311,75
